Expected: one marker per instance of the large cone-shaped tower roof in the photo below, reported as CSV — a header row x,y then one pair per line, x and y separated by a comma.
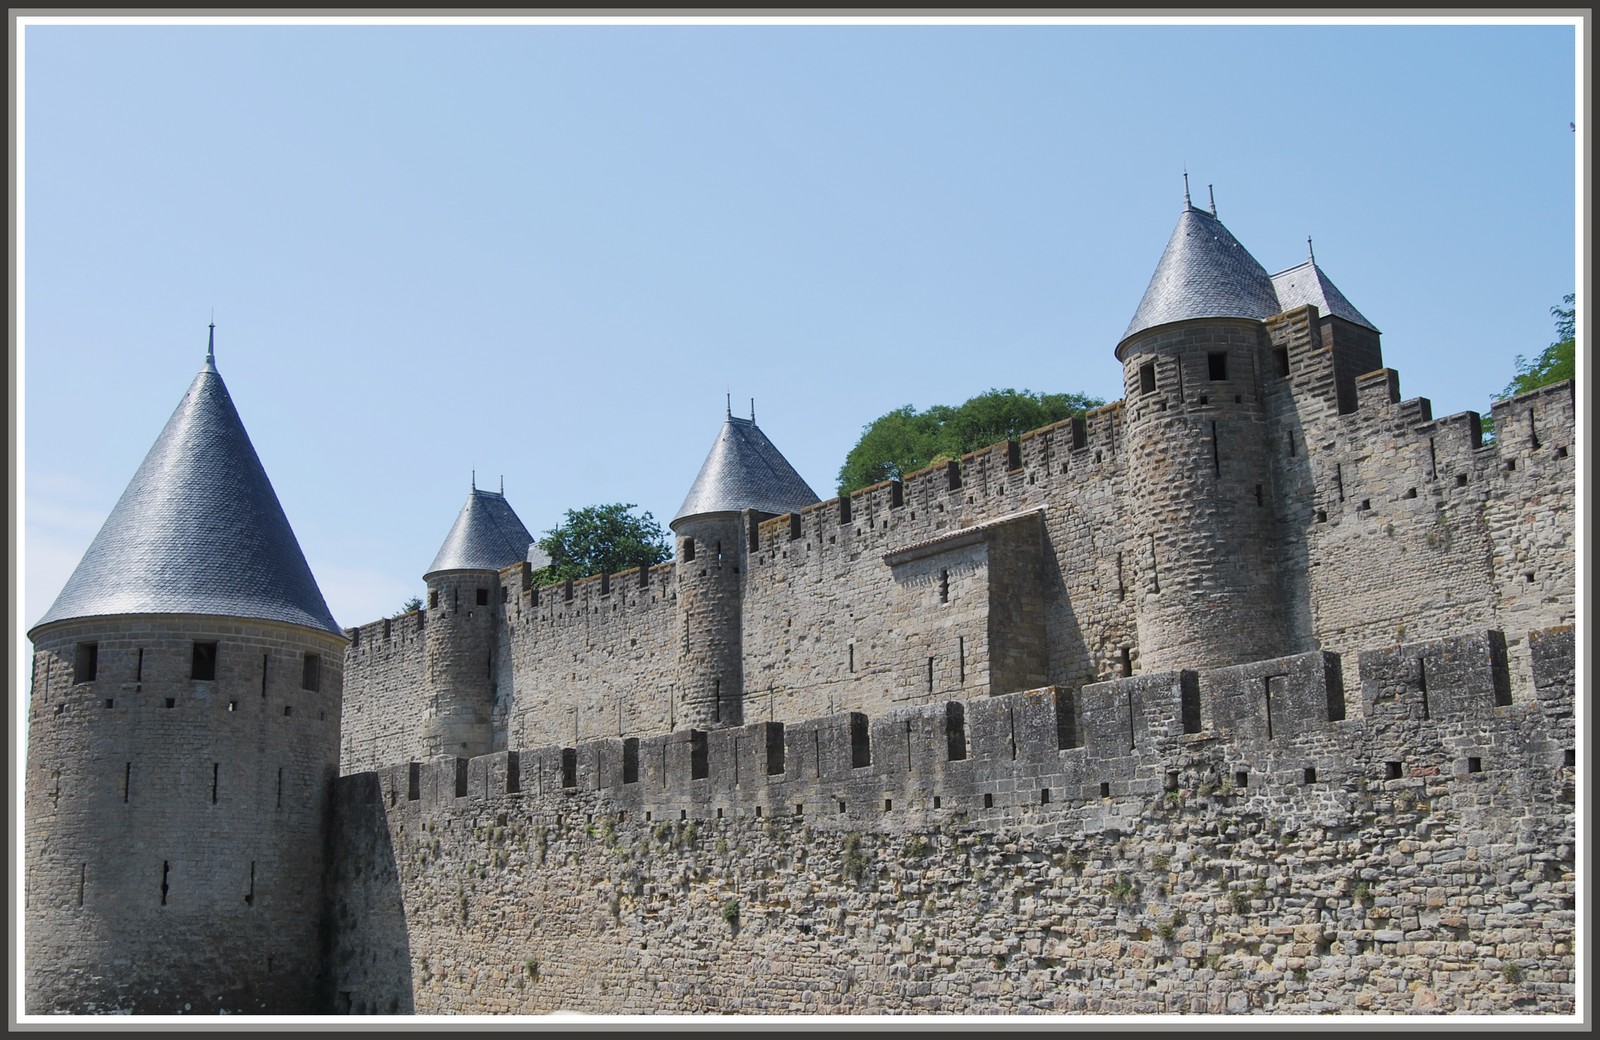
x,y
487,535
745,471
1204,273
198,531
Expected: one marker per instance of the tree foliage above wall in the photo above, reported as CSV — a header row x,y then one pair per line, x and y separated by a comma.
x,y
906,440
602,539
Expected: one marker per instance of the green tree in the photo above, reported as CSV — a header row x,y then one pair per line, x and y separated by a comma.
x,y
1556,362
601,539
412,604
906,440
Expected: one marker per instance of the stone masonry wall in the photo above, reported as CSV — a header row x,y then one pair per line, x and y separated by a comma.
x,y
385,692
1312,834
176,826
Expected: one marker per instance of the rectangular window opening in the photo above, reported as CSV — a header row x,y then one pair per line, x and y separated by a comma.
x,y
1392,770
1105,789
897,493
86,662
203,665
311,673
433,598
1217,366
461,778
1310,775
1147,377
630,760
569,767
955,731
1241,779
1013,455
774,735
944,586
688,550
138,667
1474,764
988,801
1280,357
413,781
166,871
1066,721
1044,796
216,771
699,755
860,741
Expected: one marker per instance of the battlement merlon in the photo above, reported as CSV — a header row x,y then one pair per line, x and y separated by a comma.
x,y
1105,730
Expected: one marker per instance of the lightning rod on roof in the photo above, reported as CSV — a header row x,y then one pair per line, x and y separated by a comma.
x,y
211,343
1212,189
752,409
1186,203
1312,253
730,404
474,480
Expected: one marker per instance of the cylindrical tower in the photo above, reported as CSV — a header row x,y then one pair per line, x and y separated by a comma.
x,y
744,476
462,619
1197,447
183,740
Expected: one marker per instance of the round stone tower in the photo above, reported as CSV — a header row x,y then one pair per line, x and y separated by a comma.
x,y
744,478
1200,478
462,625
183,740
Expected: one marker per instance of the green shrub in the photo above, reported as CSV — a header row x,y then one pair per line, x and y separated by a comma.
x,y
730,912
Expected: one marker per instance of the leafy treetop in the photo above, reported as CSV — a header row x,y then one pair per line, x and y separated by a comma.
x,y
601,539
906,440
1556,362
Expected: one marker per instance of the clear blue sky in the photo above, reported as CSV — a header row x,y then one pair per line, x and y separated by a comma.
x,y
548,252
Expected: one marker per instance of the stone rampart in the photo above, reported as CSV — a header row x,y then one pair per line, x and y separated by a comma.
x,y
1294,835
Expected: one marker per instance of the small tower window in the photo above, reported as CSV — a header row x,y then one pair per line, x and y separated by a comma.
x,y
86,663
433,598
1217,366
688,549
483,597
311,673
1147,377
203,667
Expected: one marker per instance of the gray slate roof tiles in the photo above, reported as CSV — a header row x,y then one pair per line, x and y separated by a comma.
x,y
199,530
487,536
745,471
1305,284
1204,273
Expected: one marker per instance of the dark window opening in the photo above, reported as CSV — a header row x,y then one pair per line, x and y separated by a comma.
x,y
1189,696
1310,775
1127,661
203,666
111,703
1217,366
1044,796
955,731
688,550
944,586
172,702
1322,516
514,771
1461,480
1391,770
794,527
1410,493
288,710
250,897
569,767
1289,438
897,493
1013,455
433,598
311,673
1105,789
166,871
414,782
774,735
844,510
699,755
952,472
630,760
216,772
1241,778
860,741
461,778
138,667
264,659
1260,497
86,662
1281,357
1147,377
937,802
483,597
1474,764
127,780
988,801
1066,721
1561,452
1511,464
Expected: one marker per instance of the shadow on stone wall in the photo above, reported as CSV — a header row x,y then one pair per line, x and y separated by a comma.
x,y
370,942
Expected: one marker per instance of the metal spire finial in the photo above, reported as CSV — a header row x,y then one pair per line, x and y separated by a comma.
x,y
1312,253
1212,189
752,409
474,480
1186,203
211,345
502,485
730,404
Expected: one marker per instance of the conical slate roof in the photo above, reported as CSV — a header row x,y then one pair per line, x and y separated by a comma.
x,y
1204,273
487,535
1305,284
198,531
745,471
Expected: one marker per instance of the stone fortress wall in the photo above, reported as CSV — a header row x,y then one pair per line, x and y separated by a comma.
x,y
1389,831
1042,562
